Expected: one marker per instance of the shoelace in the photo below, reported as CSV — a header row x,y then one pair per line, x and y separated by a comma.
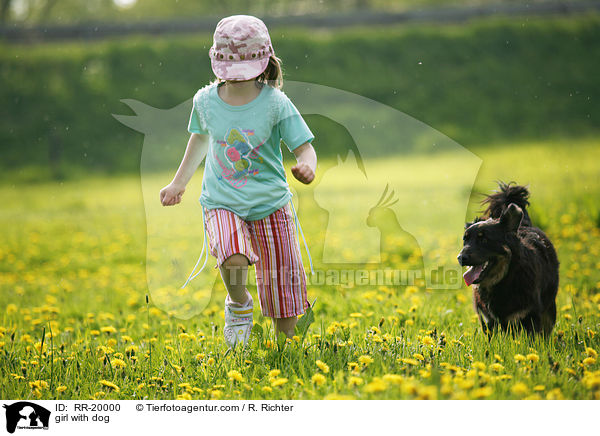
x,y
204,252
300,232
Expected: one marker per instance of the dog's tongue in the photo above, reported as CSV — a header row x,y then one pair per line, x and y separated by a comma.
x,y
472,274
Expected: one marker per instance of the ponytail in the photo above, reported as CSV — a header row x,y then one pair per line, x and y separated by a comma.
x,y
273,74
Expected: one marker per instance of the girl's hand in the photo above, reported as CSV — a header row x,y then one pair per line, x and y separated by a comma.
x,y
171,194
303,172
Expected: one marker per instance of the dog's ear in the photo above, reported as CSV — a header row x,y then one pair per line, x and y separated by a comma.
x,y
511,217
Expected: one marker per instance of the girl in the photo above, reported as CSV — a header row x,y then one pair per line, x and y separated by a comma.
x,y
245,195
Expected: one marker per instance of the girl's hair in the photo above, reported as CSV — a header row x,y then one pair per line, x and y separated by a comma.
x,y
273,74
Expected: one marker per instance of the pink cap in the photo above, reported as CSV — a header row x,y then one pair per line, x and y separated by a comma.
x,y
241,48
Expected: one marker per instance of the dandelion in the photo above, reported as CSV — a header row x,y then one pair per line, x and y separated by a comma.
x,y
11,308
184,396
365,360
355,381
210,361
409,361
519,358
118,363
61,389
539,388
394,379
322,366
555,394
235,375
589,361
483,392
318,379
533,357
279,381
356,315
38,384
376,385
427,340
418,356
479,365
108,329
110,385
496,367
274,373
591,352
519,389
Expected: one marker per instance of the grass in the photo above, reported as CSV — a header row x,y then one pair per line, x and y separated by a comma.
x,y
74,322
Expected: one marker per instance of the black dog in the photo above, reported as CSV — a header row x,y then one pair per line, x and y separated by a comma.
x,y
513,266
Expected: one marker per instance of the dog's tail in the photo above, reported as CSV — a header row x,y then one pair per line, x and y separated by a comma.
x,y
508,193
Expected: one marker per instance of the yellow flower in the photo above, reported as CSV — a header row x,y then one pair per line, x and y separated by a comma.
x,y
496,367
318,379
591,352
365,359
335,396
418,356
355,381
279,381
118,363
394,379
409,361
61,389
356,315
267,389
274,373
483,392
376,385
427,340
11,308
519,358
539,388
519,389
110,385
478,365
235,375
210,361
533,357
322,366
589,361
108,329
185,396
38,384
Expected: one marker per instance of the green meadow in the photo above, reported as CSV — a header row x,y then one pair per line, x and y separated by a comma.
x,y
78,320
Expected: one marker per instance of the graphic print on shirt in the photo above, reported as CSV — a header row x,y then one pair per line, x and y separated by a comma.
x,y
239,155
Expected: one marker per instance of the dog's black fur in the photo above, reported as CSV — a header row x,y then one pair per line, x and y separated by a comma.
x,y
514,265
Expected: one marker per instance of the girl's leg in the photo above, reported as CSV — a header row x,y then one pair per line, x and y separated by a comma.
x,y
234,271
285,325
280,277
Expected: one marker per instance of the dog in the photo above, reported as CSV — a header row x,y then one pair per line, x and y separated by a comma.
x,y
513,266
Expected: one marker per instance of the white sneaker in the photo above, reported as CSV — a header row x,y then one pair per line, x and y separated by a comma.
x,y
238,322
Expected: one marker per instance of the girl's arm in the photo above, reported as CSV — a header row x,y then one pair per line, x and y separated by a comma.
x,y
194,154
305,169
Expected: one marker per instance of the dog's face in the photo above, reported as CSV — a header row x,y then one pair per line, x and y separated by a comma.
x,y
485,248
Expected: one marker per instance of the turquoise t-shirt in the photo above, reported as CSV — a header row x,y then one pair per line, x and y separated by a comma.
x,y
244,168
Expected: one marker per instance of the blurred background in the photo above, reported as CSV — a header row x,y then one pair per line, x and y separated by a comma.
x,y
482,72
